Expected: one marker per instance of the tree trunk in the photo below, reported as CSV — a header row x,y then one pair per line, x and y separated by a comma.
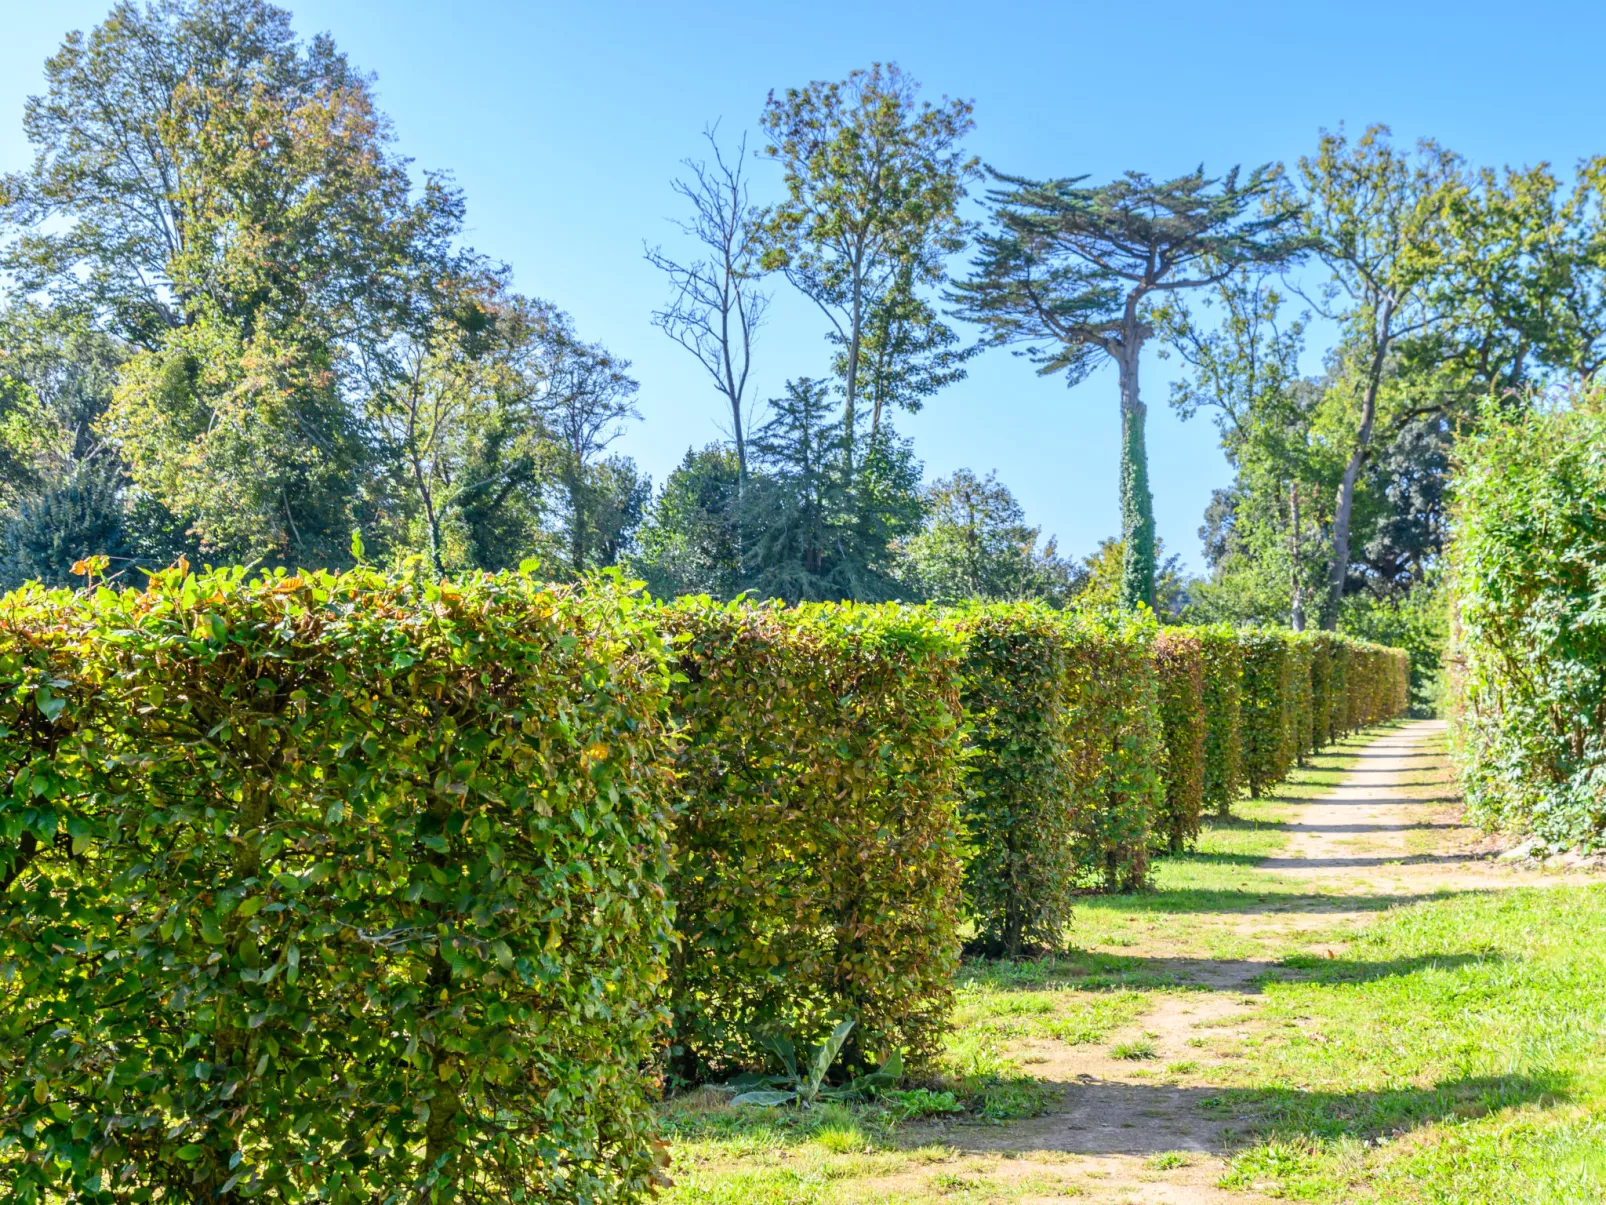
x,y
1352,471
1137,504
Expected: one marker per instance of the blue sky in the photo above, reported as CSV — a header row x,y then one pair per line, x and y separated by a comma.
x,y
564,124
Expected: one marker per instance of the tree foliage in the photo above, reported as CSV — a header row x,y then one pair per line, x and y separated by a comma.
x,y
1071,272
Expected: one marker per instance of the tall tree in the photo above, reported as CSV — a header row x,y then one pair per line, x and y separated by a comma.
x,y
1072,271
873,179
1242,354
907,353
718,305
815,533
1376,216
586,395
976,544
227,200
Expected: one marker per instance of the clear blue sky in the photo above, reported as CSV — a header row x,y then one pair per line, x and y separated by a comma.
x,y
564,122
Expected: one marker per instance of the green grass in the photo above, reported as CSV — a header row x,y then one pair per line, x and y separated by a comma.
x,y
1459,1055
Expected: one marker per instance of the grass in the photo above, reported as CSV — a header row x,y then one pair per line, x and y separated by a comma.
x,y
1449,1050
1465,1062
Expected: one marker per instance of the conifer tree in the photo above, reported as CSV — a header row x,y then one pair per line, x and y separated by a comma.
x,y
1072,272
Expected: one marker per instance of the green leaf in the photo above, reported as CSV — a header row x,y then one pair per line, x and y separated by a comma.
x,y
190,1153
767,1099
50,704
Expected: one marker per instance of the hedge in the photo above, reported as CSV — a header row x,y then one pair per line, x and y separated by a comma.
x,y
337,887
1179,656
816,849
1117,745
1223,703
1268,709
1301,733
1528,590
1020,786
1321,689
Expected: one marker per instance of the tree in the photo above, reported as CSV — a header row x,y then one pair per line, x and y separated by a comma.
x,y
584,399
1104,577
717,305
225,199
874,180
1243,360
72,517
907,353
691,541
1377,219
815,533
976,545
1071,271
57,374
459,420
178,144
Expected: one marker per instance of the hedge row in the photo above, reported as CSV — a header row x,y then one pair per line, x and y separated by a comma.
x,y
1528,642
817,849
339,887
345,888
1093,738
1301,691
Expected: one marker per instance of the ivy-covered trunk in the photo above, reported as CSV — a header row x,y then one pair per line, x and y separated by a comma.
x,y
1137,504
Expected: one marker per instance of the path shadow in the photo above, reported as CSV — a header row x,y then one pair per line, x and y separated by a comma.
x,y
1373,828
1093,971
1408,754
1251,900
1365,863
1099,1117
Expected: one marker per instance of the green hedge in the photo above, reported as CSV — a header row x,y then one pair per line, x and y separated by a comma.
x,y
817,867
1179,656
1118,746
1268,709
1302,729
336,887
1322,686
1020,784
1223,708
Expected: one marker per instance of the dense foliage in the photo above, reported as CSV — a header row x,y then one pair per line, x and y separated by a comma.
x,y
330,887
1528,583
1267,710
1179,657
817,847
1222,699
1021,780
1118,745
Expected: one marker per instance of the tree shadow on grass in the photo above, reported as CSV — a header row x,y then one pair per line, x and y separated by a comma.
x,y
1099,1117
1086,970
1252,898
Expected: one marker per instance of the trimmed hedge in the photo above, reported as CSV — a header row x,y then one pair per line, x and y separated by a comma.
x,y
1223,709
338,887
1179,656
1021,783
1118,745
817,867
1301,733
1268,709
1321,689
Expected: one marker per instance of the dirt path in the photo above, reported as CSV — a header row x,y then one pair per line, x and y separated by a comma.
x,y
1391,833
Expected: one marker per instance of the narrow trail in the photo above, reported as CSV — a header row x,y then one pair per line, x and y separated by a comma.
x,y
1391,834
